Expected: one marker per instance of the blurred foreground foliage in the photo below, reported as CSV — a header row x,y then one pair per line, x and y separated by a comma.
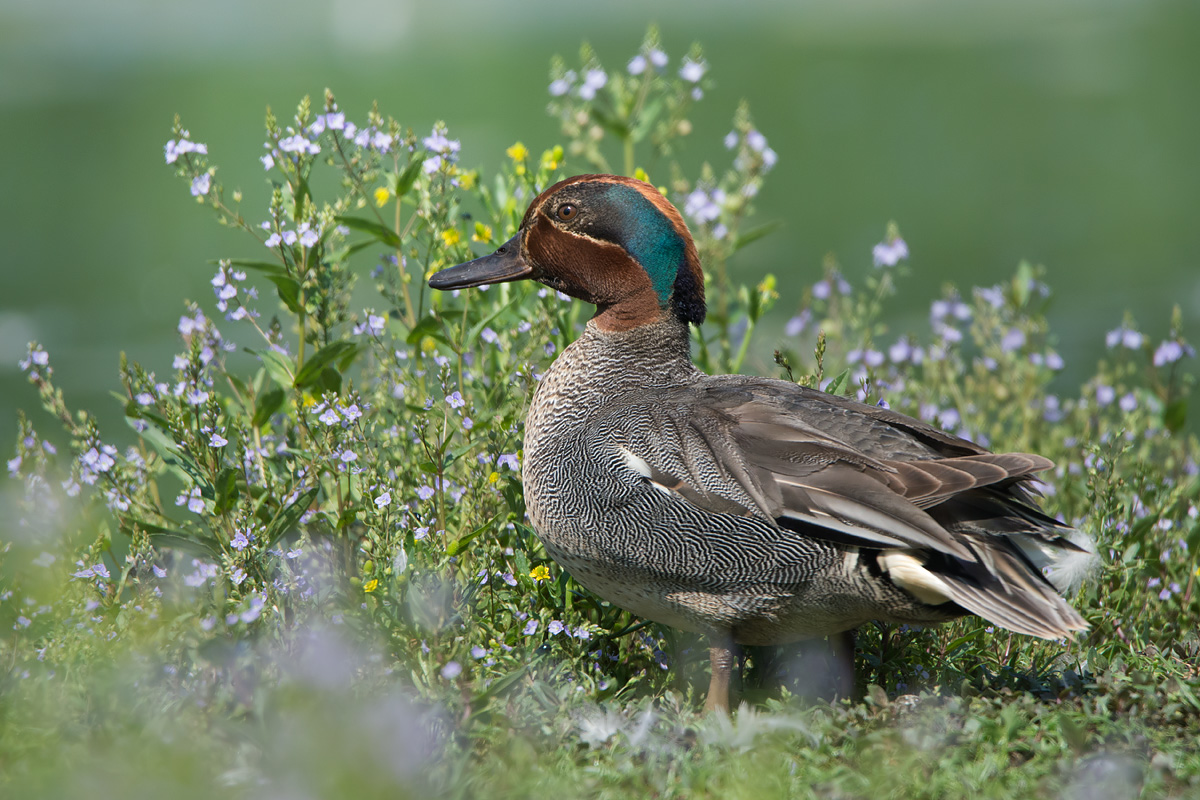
x,y
312,572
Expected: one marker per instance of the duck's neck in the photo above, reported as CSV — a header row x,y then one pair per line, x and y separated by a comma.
x,y
654,354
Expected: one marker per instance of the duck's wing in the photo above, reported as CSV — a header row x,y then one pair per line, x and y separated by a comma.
x,y
943,517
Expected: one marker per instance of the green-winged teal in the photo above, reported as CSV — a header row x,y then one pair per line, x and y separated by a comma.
x,y
752,510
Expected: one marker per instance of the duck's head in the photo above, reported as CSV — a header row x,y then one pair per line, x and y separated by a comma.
x,y
612,241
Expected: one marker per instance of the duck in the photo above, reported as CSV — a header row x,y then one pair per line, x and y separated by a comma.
x,y
750,510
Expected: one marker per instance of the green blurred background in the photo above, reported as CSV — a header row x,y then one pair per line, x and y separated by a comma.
x,y
1064,133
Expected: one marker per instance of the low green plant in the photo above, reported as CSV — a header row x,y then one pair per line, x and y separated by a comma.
x,y
311,568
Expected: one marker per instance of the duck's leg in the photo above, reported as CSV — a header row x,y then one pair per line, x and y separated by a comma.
x,y
720,654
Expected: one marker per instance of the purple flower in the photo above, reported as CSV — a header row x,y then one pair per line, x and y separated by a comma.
x,y
704,206
992,295
530,627
1128,402
217,440
1125,336
796,325
593,81
1013,340
1105,395
509,460
692,71
297,143
174,149
201,184
489,336
452,670
890,253
383,500
509,578
1169,352
555,627
478,652
562,85
241,541
637,65
308,236
425,492
351,412
329,416
455,399
821,289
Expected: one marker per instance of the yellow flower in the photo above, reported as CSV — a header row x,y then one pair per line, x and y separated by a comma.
x,y
552,158
539,573
371,585
641,175
466,180
518,152
450,237
495,476
382,195
483,233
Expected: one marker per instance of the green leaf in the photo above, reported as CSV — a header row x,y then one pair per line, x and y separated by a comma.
x,y
167,448
268,403
288,290
835,385
226,491
1175,415
380,232
261,266
754,234
407,178
280,367
460,544
310,373
177,540
287,517
330,380
429,326
646,119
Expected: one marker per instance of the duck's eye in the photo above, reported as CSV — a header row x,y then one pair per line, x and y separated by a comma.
x,y
567,212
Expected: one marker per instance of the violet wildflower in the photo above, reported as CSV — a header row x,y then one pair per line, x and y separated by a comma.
x,y
509,460
593,81
1128,402
636,65
692,71
201,184
562,85
383,500
425,492
217,440
455,399
796,325
890,253
240,541
1124,336
329,417
1168,353
555,627
308,236
530,627
1014,339
704,206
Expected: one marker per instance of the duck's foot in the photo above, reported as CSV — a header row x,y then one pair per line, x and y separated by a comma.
x,y
721,656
